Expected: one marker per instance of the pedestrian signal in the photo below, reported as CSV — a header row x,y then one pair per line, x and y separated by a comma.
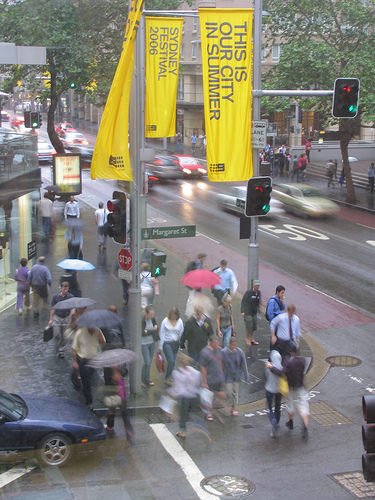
x,y
158,263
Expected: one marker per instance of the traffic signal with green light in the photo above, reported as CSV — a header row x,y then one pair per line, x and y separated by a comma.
x,y
158,263
116,219
72,85
258,196
34,119
345,98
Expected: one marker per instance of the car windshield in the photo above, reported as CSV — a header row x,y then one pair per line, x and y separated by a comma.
x,y
310,192
189,161
12,405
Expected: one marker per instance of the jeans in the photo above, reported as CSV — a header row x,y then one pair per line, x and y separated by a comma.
x,y
170,350
274,416
186,405
227,333
102,235
86,374
147,353
46,224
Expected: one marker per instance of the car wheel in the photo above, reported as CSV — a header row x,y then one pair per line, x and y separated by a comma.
x,y
55,450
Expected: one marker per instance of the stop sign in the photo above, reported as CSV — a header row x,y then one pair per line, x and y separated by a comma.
x,y
125,259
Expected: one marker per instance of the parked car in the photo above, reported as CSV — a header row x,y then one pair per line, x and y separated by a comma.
x,y
165,167
5,116
228,202
45,152
190,166
49,426
85,152
304,200
63,127
71,138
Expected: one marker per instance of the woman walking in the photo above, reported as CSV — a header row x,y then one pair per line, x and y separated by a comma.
x,y
23,287
171,330
224,320
149,336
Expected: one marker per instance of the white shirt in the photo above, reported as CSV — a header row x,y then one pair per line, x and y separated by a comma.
x,y
281,321
46,207
101,215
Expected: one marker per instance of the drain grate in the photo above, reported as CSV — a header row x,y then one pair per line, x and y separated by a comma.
x,y
348,361
355,483
324,414
228,486
157,418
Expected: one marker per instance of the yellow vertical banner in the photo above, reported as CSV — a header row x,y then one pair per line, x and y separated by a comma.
x,y
163,43
226,41
111,159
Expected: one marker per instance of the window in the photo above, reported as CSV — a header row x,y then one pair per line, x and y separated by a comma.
x,y
194,50
180,87
182,51
195,24
264,54
275,53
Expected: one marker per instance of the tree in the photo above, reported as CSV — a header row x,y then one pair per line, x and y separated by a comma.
x,y
83,40
322,41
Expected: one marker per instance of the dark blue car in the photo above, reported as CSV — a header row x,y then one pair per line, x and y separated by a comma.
x,y
48,425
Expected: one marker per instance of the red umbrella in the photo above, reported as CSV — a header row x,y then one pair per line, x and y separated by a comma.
x,y
201,278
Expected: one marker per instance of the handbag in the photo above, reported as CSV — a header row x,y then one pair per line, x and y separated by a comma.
x,y
113,401
207,398
75,378
47,333
283,385
159,362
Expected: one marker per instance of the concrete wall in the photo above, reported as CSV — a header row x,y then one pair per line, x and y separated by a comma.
x,y
324,152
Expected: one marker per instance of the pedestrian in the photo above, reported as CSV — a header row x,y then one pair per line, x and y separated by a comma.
x,y
273,395
71,209
39,278
193,142
371,176
120,401
285,331
224,320
276,304
197,330
23,286
294,370
308,148
74,237
71,277
211,367
198,298
186,382
196,263
149,337
342,177
294,167
45,208
179,140
124,283
148,283
114,339
234,365
85,346
204,144
101,222
330,167
171,330
60,318
229,283
302,163
249,311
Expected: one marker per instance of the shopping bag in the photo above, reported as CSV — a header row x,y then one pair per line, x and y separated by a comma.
x,y
167,404
159,362
207,398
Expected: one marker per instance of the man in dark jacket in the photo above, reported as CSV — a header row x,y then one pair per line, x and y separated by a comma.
x,y
196,332
249,311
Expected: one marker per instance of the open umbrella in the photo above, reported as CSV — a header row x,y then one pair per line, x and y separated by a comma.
x,y
101,318
74,302
74,222
200,278
53,188
76,265
113,357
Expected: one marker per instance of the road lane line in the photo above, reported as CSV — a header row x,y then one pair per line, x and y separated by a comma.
x,y
205,236
267,232
14,473
183,459
330,296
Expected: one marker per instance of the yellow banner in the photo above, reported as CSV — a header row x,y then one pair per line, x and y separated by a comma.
x,y
226,63
111,159
163,42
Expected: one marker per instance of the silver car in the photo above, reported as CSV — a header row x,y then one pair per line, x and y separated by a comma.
x,y
234,201
304,200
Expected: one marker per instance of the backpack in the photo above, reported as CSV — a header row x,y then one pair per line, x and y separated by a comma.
x,y
272,298
300,163
192,266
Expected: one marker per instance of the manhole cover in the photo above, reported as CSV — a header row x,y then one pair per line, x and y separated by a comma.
x,y
228,486
348,361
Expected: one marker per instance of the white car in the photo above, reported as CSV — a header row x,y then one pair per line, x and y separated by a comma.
x,y
235,200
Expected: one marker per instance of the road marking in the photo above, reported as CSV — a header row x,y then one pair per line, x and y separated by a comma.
x,y
364,225
330,296
371,242
205,236
183,459
267,232
15,473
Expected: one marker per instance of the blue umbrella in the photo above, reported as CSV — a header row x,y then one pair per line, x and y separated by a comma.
x,y
76,265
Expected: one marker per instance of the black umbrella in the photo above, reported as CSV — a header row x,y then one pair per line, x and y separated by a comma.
x,y
101,318
53,188
74,302
113,357
74,222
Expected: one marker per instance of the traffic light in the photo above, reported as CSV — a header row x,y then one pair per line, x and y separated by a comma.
x,y
368,437
116,218
300,115
72,85
158,265
258,196
40,119
345,98
26,118
34,119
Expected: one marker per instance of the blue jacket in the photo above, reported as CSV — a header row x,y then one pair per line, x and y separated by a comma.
x,y
234,365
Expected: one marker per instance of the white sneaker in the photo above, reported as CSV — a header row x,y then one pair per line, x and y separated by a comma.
x,y
20,311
